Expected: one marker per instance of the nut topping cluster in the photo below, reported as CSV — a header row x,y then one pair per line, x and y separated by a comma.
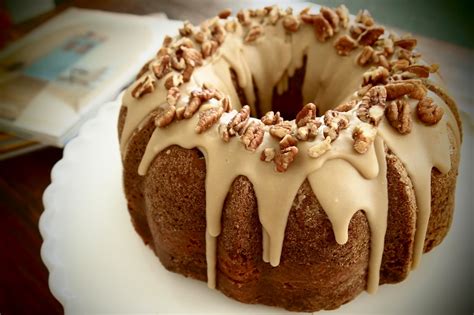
x,y
393,76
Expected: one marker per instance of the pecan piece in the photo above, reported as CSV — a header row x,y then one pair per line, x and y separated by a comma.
x,y
375,76
345,107
428,112
288,141
400,65
252,137
254,32
335,120
309,131
344,45
365,55
224,14
320,148
178,63
188,72
372,106
192,56
173,96
322,28
144,86
174,80
237,124
421,71
280,130
307,113
284,158
271,118
363,135
343,14
187,29
364,17
290,23
331,17
268,154
398,89
244,17
165,116
371,35
356,30
406,43
161,67
193,105
398,115
208,48
207,118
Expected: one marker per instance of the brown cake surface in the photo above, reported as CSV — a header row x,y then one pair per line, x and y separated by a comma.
x,y
217,193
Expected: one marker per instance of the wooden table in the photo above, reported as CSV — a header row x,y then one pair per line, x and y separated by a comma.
x,y
23,277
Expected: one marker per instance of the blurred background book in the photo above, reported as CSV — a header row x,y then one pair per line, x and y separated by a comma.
x,y
57,76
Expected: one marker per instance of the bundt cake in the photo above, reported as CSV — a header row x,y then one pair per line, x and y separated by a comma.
x,y
341,185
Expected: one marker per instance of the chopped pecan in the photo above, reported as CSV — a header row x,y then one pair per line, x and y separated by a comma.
x,y
372,106
252,137
187,29
192,56
284,158
230,26
307,113
322,28
178,63
290,23
180,112
356,30
271,118
331,17
173,96
375,76
400,65
174,80
144,86
363,90
161,67
167,41
364,17
343,14
237,124
365,55
406,43
193,105
371,35
165,116
398,115
428,112
288,141
306,17
420,90
218,33
268,154
421,71
345,107
244,17
320,148
208,48
224,14
200,37
274,15
363,135
388,46
280,130
254,32
344,45
225,102
207,118
188,72
309,131
335,120
382,61
398,89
